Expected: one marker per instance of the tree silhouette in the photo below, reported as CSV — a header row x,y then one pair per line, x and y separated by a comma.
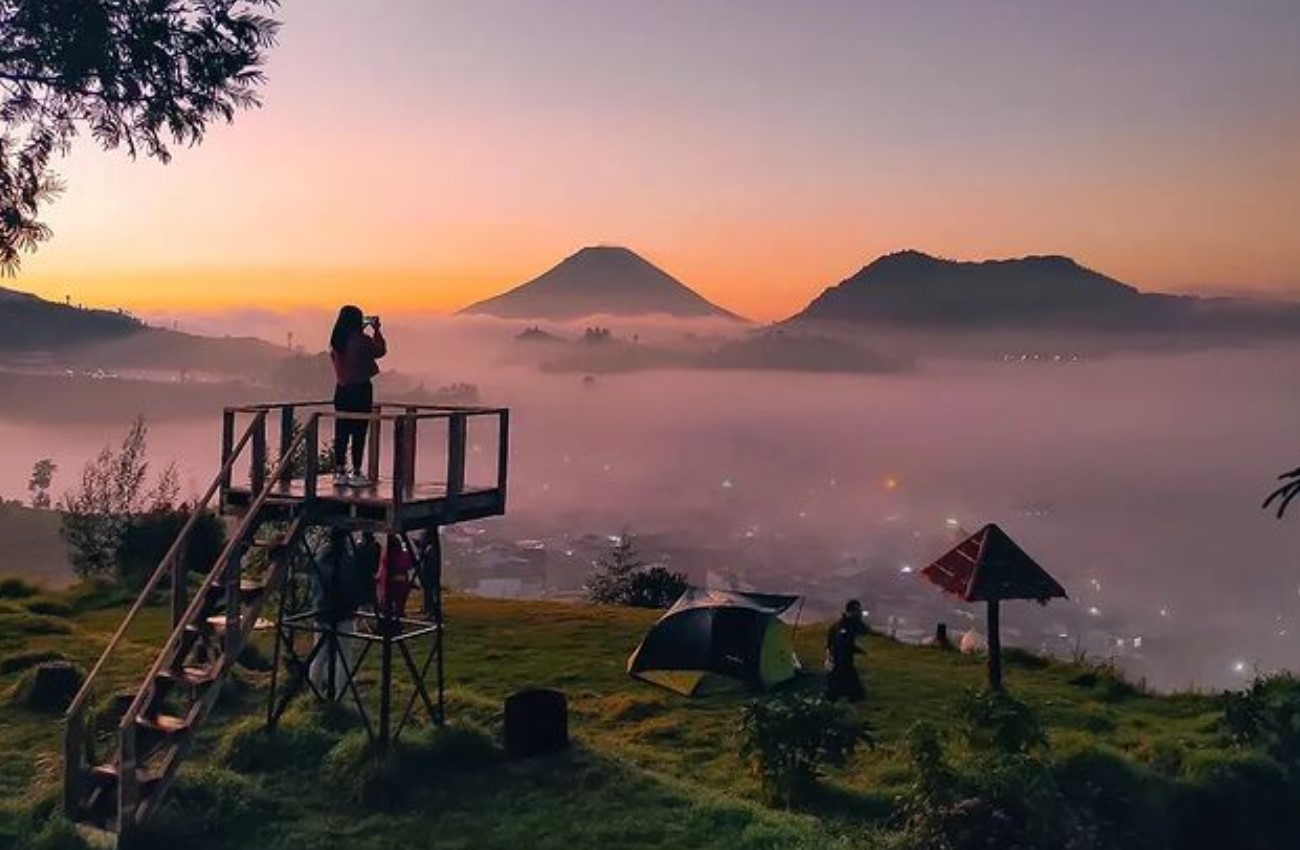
x,y
1284,494
135,74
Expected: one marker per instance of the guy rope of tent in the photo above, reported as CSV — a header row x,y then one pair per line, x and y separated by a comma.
x,y
989,567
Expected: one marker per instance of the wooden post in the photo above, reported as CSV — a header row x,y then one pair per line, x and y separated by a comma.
x,y
995,648
128,787
372,436
227,445
399,460
286,437
456,428
233,612
411,436
259,454
503,453
73,758
312,441
179,602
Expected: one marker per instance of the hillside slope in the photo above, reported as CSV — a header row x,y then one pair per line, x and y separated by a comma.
x,y
649,769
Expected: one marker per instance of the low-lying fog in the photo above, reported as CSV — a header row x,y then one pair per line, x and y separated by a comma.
x,y
1135,480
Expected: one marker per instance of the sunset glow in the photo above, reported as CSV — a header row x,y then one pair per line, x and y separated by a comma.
x,y
425,155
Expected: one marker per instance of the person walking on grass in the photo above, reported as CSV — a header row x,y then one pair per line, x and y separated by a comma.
x,y
353,353
842,680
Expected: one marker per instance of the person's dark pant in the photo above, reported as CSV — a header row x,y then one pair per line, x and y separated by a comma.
x,y
843,682
352,398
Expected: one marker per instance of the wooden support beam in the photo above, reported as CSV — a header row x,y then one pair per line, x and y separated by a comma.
x,y
995,647
287,414
456,432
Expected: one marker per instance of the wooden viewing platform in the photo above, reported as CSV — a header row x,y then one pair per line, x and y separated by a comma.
x,y
428,466
402,496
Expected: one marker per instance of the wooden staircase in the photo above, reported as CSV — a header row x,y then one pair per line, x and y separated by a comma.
x,y
122,750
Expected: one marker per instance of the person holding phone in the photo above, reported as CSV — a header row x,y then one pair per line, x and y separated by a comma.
x,y
353,353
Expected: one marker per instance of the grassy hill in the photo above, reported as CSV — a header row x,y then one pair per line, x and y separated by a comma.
x,y
649,769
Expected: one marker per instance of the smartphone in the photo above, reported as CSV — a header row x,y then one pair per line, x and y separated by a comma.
x,y
371,320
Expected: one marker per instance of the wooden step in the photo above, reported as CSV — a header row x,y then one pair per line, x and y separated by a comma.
x,y
164,724
216,624
189,677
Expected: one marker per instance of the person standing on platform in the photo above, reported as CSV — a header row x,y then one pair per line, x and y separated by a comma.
x,y
842,680
353,353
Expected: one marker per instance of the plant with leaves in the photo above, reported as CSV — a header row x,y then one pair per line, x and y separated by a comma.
x,y
1286,493
1267,716
114,491
621,577
39,483
136,74
996,721
788,740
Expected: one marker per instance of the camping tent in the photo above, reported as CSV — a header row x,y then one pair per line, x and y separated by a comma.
x,y
714,638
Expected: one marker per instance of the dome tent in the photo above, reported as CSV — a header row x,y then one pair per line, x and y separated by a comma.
x,y
712,639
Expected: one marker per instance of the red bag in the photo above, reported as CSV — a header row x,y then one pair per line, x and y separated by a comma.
x,y
395,571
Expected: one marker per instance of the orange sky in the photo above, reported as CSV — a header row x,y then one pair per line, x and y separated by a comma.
x,y
425,155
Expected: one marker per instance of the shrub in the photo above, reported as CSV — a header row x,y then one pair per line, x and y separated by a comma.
x,y
621,578
1243,801
1113,802
787,741
1267,716
993,720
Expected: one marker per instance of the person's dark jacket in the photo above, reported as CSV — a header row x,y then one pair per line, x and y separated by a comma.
x,y
842,639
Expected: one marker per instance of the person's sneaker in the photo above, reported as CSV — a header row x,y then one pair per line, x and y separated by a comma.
x,y
356,479
341,479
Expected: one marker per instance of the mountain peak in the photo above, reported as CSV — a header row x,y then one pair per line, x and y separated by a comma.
x,y
911,287
599,280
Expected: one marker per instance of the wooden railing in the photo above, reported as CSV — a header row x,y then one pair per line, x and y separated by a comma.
x,y
173,565
400,422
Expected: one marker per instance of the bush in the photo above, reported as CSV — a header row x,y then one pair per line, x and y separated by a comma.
x,y
1114,803
1267,716
1243,801
993,720
788,740
147,537
621,578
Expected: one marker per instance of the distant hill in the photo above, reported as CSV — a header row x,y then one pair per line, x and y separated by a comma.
x,y
912,289
599,281
28,323
61,334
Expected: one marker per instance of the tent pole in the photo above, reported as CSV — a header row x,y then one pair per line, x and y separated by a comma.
x,y
995,648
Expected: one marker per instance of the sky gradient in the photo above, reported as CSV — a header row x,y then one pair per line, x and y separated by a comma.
x,y
422,155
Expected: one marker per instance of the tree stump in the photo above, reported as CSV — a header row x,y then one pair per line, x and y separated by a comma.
x,y
536,723
52,687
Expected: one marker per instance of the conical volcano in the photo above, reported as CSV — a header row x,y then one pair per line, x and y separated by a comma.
x,y
603,280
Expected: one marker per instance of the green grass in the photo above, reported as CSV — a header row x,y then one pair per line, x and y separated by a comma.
x,y
648,769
